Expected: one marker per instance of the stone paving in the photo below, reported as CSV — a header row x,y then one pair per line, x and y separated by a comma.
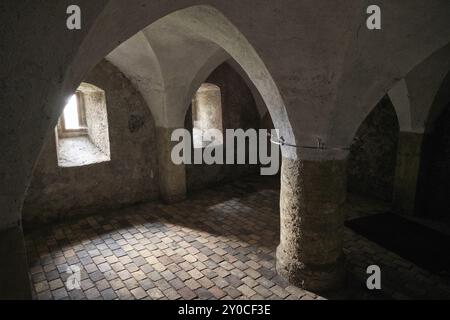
x,y
219,244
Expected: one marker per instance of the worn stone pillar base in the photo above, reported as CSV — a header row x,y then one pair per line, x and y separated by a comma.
x,y
14,278
407,172
172,178
319,278
312,220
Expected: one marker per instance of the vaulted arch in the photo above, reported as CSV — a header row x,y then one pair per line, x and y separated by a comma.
x,y
217,40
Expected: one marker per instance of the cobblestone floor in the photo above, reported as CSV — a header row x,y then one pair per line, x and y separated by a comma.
x,y
219,244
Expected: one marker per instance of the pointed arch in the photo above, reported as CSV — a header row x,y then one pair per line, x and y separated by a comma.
x,y
207,24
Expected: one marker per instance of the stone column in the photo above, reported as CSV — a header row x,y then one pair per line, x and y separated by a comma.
x,y
313,191
407,172
172,178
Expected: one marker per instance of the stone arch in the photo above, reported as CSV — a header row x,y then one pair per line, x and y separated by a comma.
x,y
399,92
176,77
129,57
200,77
399,97
417,99
260,104
208,24
205,73
211,64
345,123
238,110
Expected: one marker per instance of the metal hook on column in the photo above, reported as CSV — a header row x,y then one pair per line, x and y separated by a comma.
x,y
320,145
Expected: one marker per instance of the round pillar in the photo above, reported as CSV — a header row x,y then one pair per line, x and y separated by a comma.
x,y
313,191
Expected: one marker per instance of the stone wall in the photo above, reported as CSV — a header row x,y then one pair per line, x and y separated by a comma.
x,y
372,160
97,119
238,111
434,179
130,177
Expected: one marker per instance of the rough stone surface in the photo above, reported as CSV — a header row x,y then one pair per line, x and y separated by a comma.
x,y
310,251
97,118
372,159
407,172
131,176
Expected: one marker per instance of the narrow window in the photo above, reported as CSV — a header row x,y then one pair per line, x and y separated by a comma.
x,y
206,114
71,114
73,119
82,132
